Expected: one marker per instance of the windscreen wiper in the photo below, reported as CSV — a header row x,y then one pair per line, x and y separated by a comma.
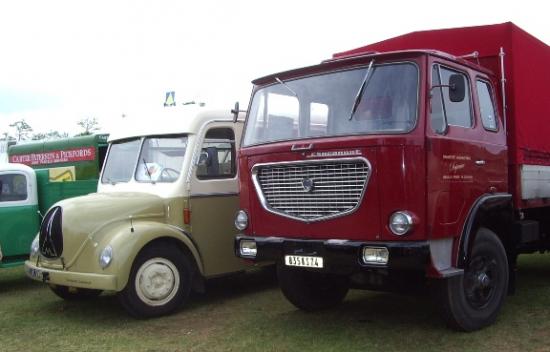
x,y
360,91
147,169
286,86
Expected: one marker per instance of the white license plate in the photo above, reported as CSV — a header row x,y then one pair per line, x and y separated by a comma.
x,y
35,273
304,261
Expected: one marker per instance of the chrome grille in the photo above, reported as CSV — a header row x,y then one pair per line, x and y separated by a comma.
x,y
337,187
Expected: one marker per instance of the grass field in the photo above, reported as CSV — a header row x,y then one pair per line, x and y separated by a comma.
x,y
248,313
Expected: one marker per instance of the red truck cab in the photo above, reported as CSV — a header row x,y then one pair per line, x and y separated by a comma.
x,y
385,170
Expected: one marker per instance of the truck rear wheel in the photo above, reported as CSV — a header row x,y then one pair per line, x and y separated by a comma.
x,y
159,282
74,293
311,291
473,300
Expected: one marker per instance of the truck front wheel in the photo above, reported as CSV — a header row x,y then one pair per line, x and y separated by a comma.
x,y
159,282
473,300
311,291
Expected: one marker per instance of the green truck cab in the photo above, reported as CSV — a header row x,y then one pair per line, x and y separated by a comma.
x,y
161,222
40,174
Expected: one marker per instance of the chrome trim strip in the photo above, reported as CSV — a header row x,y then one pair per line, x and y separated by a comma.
x,y
204,195
265,205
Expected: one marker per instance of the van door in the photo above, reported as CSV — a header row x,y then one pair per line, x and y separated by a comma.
x,y
18,215
214,199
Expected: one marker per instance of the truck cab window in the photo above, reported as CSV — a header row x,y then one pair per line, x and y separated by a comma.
x,y
13,187
455,113
217,158
486,107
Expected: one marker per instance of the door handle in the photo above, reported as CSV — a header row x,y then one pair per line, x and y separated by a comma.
x,y
480,162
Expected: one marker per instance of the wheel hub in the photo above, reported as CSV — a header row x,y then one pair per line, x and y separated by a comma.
x,y
157,281
479,281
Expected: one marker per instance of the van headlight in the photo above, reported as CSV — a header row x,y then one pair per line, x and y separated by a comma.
x,y
241,220
105,257
35,246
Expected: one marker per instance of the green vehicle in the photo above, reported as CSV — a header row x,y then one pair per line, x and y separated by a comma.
x,y
160,224
39,175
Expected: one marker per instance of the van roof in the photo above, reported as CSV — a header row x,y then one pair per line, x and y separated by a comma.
x,y
185,120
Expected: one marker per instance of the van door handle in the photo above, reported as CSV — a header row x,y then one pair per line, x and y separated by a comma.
x,y
480,162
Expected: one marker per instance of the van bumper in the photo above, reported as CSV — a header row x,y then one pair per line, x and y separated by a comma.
x,y
72,279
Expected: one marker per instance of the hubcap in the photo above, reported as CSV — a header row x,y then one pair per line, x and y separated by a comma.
x,y
480,281
157,281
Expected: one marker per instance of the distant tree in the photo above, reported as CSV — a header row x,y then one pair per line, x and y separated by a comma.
x,y
89,124
49,135
22,129
38,136
6,137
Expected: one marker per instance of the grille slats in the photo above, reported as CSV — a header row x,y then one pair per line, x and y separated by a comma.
x,y
337,187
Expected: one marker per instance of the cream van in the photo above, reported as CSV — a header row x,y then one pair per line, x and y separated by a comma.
x,y
161,222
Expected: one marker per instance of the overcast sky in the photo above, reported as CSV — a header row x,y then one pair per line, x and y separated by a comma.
x,y
61,61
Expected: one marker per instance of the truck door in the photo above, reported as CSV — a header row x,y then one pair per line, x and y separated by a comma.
x,y
18,214
214,199
457,153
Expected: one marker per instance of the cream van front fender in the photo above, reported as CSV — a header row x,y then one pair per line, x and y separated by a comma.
x,y
129,241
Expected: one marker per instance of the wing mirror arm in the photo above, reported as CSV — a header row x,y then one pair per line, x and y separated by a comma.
x,y
235,111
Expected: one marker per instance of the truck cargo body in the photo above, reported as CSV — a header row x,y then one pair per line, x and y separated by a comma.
x,y
402,161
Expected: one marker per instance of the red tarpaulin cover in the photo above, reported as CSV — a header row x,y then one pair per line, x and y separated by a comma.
x,y
527,72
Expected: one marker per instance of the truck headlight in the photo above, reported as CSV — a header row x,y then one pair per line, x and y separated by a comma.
x,y
241,220
247,248
35,247
105,257
376,255
401,222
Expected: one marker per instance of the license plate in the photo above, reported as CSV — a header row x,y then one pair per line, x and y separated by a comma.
x,y
35,273
304,261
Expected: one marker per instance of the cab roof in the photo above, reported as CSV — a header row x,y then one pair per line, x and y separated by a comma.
x,y
172,120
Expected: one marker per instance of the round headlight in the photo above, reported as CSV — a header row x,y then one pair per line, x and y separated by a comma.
x,y
35,247
241,220
401,222
105,257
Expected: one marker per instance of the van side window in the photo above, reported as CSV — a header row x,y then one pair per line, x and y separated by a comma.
x,y
217,157
456,113
13,187
486,107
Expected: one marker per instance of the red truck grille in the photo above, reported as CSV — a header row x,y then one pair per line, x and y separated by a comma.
x,y
312,190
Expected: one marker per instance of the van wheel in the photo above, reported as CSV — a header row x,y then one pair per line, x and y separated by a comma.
x,y
74,293
473,300
311,291
159,282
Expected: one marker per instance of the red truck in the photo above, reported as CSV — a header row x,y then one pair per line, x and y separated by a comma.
x,y
419,161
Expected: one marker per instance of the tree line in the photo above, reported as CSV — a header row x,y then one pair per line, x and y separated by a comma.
x,y
22,131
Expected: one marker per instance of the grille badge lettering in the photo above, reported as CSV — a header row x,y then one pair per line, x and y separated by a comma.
x,y
334,153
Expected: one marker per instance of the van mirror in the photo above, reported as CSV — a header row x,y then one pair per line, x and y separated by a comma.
x,y
457,88
235,112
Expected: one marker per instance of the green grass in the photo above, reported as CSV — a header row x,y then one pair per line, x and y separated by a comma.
x,y
248,313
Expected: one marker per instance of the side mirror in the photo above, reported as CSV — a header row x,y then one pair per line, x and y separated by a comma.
x,y
457,88
235,111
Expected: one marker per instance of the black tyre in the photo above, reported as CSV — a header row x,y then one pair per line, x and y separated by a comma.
x,y
74,293
159,282
311,291
473,301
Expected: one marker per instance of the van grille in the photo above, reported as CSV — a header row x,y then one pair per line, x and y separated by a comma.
x,y
312,190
